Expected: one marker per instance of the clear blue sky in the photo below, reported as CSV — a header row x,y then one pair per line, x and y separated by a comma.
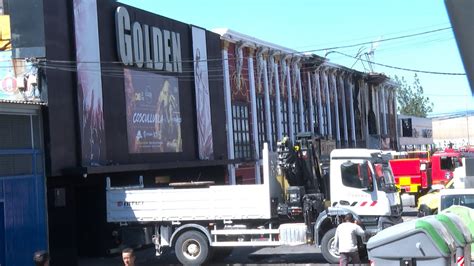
x,y
314,24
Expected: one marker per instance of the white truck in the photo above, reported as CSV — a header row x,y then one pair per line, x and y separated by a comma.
x,y
200,222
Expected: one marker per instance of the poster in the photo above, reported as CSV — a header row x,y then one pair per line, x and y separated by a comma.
x,y
91,118
153,113
203,105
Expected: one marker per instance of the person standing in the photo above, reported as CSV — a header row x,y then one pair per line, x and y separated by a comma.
x,y
346,240
128,257
41,258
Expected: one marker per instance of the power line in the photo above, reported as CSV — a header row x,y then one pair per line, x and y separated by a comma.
x,y
72,64
402,68
371,37
382,40
413,45
209,59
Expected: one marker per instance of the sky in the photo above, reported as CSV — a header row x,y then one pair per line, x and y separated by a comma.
x,y
306,25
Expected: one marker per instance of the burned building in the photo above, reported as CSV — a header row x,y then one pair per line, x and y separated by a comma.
x,y
100,89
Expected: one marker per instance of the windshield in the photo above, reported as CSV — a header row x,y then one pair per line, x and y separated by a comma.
x,y
463,200
447,163
384,177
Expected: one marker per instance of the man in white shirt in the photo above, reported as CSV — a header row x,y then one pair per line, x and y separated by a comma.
x,y
346,240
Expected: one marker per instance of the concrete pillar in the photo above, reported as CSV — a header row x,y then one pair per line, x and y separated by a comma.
x,y
228,109
300,99
350,89
268,118
365,112
320,103
384,109
277,101
376,90
284,91
291,131
333,87
342,90
311,106
324,76
395,110
254,125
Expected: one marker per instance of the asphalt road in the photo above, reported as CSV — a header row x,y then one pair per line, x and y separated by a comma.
x,y
284,255
302,255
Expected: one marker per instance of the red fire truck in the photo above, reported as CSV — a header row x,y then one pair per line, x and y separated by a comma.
x,y
419,171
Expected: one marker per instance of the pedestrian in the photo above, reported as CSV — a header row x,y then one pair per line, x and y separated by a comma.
x,y
128,257
345,240
41,258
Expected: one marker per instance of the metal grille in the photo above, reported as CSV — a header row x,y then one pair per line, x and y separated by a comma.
x,y
15,132
261,122
306,117
284,118
296,117
19,143
242,141
273,122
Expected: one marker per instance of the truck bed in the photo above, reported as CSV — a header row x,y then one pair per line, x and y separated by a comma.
x,y
223,202
212,203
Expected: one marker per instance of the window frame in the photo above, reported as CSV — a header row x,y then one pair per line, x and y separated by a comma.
x,y
241,131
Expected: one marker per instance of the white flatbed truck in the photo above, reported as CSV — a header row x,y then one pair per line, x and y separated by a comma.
x,y
198,221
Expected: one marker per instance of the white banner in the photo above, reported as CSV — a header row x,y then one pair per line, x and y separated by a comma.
x,y
203,105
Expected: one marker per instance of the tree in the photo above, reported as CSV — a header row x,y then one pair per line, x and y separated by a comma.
x,y
411,100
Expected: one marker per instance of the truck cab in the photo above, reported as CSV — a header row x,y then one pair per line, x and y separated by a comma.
x,y
443,165
418,174
362,183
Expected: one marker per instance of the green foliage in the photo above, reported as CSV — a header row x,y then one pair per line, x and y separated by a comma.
x,y
411,100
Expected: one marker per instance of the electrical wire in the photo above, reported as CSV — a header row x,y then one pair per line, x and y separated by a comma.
x,y
63,64
371,37
402,68
210,59
382,40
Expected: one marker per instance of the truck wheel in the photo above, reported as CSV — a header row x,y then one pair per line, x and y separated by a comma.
x,y
328,249
424,211
192,248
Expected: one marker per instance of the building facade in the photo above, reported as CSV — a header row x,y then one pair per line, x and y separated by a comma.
x,y
109,90
416,133
272,92
23,212
455,130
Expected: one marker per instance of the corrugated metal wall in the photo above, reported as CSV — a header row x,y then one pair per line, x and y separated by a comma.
x,y
22,188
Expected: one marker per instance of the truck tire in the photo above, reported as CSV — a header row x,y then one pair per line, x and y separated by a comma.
x,y
192,248
328,250
424,211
